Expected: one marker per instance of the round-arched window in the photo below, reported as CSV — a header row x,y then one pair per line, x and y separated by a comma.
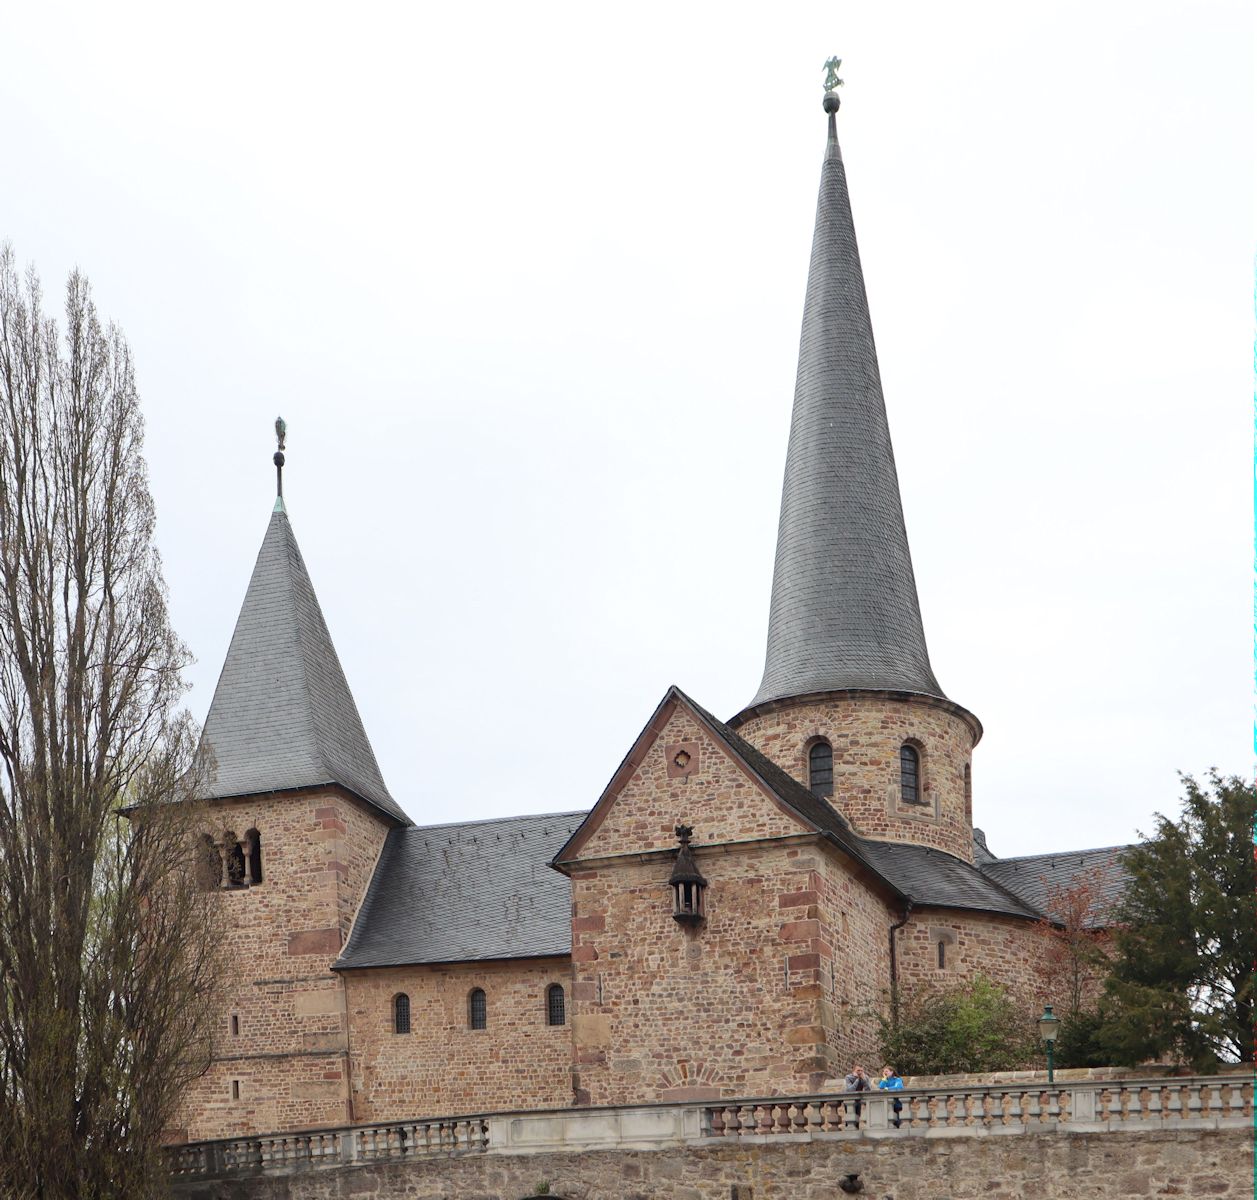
x,y
820,768
401,1013
909,774
556,1005
478,1009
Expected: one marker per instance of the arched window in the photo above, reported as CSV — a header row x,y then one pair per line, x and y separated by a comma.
x,y
942,955
253,861
820,769
556,1005
909,774
401,1013
478,1009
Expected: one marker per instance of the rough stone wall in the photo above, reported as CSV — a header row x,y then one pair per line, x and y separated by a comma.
x,y
287,1059
858,988
866,731
713,794
443,1066
1006,950
1041,1166
775,990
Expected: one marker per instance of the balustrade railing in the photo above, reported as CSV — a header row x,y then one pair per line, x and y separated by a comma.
x,y
1134,1106
1213,1102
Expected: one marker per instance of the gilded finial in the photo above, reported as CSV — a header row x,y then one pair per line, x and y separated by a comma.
x,y
832,83
281,433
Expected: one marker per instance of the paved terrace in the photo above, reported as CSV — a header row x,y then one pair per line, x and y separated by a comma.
x,y
1129,1106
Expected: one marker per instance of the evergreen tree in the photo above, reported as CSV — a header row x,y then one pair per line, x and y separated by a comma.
x,y
1182,982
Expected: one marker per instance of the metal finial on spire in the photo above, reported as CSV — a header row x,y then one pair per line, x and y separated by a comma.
x,y
832,82
281,432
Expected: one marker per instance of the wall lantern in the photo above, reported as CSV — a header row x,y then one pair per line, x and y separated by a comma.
x,y
687,882
1048,1025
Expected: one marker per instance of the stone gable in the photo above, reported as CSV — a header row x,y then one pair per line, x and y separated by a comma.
x,y
651,795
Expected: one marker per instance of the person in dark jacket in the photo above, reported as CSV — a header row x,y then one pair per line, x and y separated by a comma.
x,y
858,1081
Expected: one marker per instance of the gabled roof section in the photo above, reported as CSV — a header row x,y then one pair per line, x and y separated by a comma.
x,y
465,893
283,716
1036,877
844,612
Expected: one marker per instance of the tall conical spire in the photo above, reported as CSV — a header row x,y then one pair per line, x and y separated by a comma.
x,y
283,716
844,609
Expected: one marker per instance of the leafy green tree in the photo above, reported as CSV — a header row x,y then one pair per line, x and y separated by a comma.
x,y
975,1026
1186,942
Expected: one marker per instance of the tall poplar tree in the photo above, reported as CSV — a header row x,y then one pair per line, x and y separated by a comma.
x,y
106,948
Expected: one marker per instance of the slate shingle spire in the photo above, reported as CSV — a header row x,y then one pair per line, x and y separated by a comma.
x,y
844,604
283,716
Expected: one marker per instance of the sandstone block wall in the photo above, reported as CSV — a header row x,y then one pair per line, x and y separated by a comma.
x,y
866,731
1047,1166
1005,950
284,1054
758,999
443,1066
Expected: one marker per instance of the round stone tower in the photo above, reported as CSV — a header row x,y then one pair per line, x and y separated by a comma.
x,y
849,704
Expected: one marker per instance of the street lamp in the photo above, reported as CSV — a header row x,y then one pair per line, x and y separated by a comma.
x,y
1047,1031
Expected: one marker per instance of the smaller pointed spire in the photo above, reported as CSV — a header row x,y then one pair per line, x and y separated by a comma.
x,y
281,432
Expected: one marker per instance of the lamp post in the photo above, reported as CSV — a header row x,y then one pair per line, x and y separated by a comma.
x,y
1047,1031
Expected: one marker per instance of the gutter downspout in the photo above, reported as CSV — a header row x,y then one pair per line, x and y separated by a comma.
x,y
894,964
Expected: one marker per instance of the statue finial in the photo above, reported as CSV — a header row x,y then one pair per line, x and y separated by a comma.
x,y
281,432
832,83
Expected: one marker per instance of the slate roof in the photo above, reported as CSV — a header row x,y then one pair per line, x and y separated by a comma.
x,y
844,611
466,892
1034,876
483,890
283,716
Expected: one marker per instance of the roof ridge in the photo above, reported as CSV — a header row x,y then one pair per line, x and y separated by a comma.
x,y
576,812
1012,858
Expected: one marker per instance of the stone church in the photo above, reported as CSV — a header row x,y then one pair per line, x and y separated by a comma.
x,y
727,920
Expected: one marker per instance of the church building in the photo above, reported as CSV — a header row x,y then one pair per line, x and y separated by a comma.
x,y
727,919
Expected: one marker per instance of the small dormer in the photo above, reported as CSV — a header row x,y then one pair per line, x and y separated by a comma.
x,y
687,882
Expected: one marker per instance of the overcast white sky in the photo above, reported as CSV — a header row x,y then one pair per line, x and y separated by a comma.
x,y
526,283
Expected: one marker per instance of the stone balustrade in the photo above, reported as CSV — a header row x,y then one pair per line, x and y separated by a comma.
x,y
1130,1106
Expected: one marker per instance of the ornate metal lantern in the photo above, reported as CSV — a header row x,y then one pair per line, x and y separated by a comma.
x,y
687,882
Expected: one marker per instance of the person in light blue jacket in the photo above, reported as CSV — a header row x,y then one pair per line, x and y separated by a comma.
x,y
891,1082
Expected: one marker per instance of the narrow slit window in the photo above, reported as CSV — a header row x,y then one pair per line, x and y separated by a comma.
x,y
942,956
909,774
235,1025
820,769
556,1005
968,793
478,1009
235,1089
401,1013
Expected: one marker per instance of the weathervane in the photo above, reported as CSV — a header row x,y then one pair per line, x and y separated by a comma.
x,y
281,431
832,83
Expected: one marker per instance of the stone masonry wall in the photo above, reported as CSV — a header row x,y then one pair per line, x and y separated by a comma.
x,y
866,731
1005,950
858,987
744,1004
1040,1166
287,1060
443,1066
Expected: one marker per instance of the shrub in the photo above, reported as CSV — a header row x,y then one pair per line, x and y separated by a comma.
x,y
974,1026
